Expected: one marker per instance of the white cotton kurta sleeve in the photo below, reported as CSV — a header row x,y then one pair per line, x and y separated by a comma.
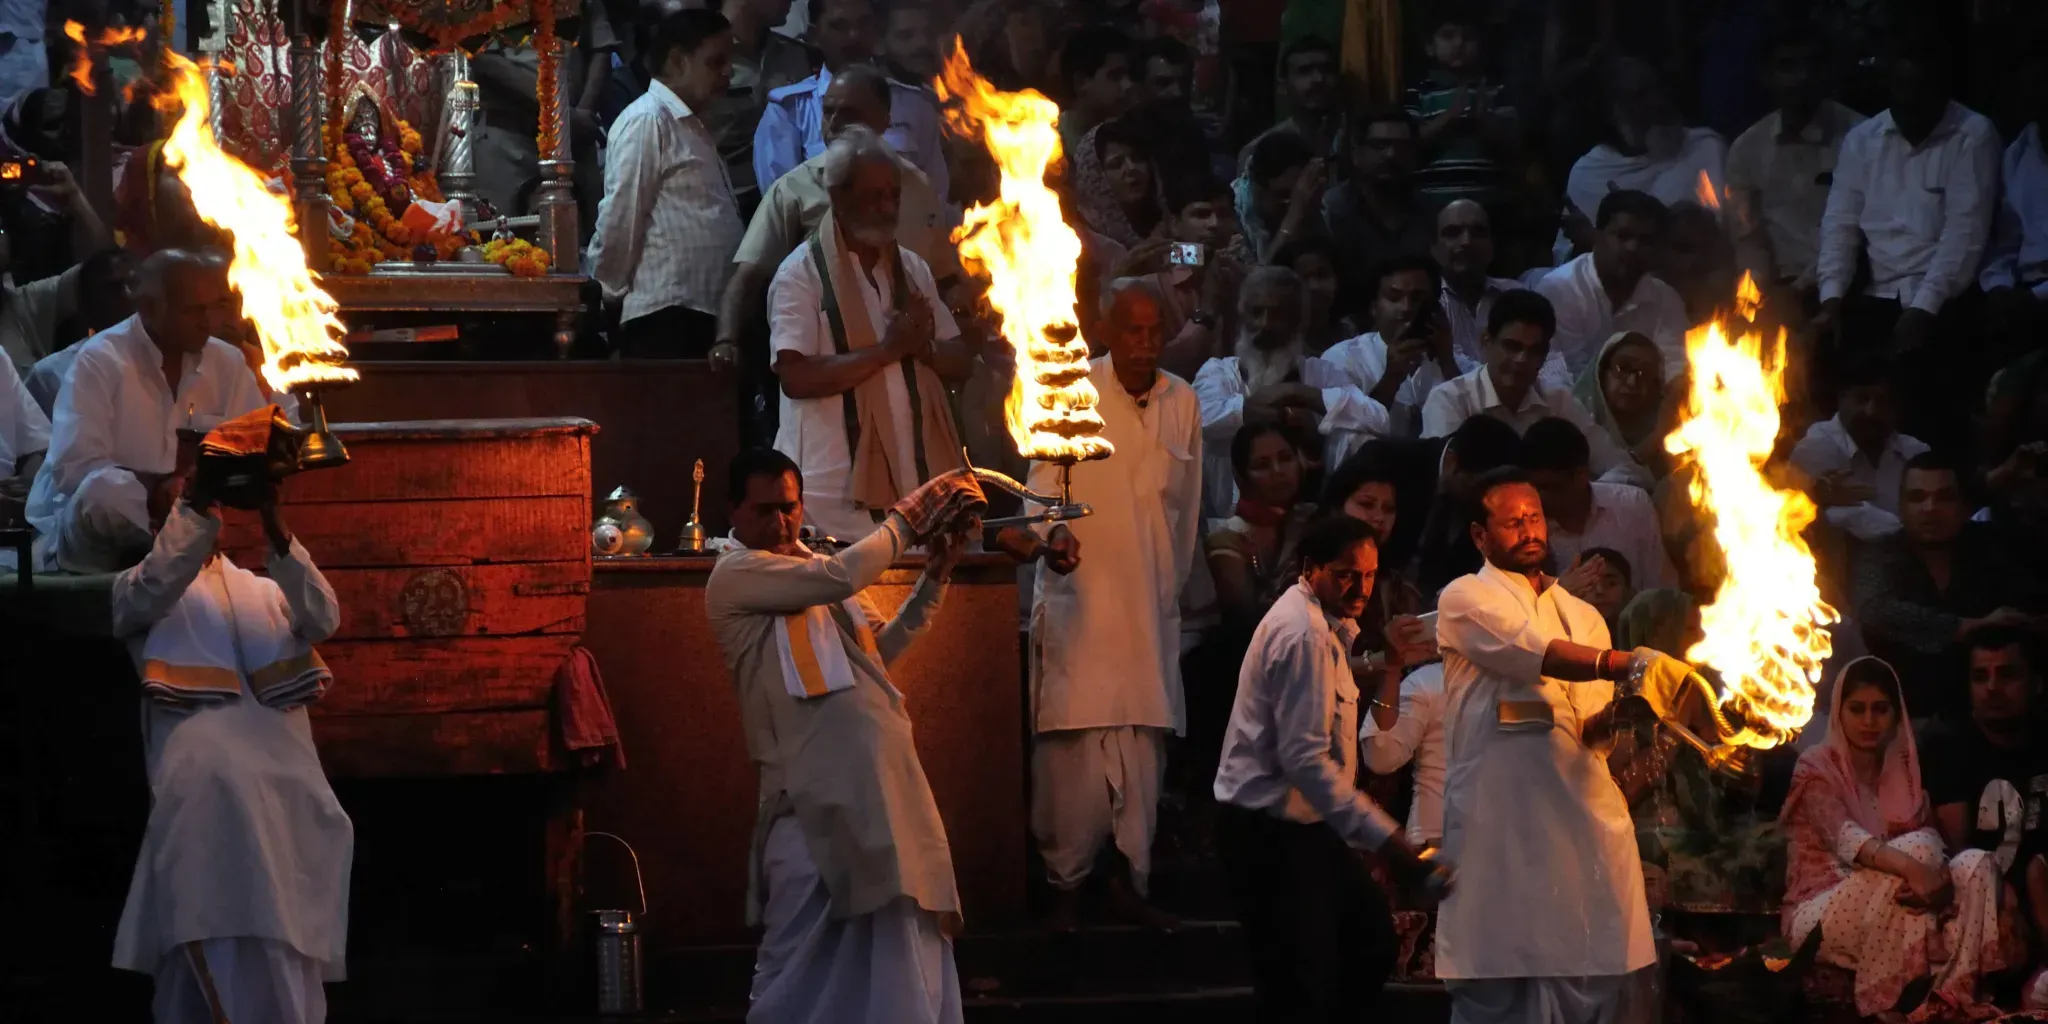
x,y
893,635
1386,750
775,585
1221,393
1350,416
315,611
82,436
24,430
146,592
1496,636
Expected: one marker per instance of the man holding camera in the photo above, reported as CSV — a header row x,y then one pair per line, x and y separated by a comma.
x,y
1409,350
239,902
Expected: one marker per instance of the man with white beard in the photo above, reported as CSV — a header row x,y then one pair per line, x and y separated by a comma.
x,y
1105,681
863,345
1270,375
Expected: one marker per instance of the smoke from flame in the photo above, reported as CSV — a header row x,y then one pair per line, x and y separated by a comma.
x,y
81,60
1028,253
293,315
1765,631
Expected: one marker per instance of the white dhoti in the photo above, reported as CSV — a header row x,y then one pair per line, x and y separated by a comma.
x,y
893,965
238,980
1088,785
102,528
1607,999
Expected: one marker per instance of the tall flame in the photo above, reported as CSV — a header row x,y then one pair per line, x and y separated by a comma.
x,y
293,315
1024,246
1765,632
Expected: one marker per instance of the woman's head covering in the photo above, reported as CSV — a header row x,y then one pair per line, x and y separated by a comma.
x,y
1657,619
1587,389
1901,804
1094,199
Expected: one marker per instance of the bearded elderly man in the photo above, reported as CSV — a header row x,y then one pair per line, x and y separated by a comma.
x,y
852,877
1105,681
1551,922
864,346
113,438
1270,375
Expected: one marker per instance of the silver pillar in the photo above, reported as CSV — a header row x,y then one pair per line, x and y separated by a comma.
x,y
558,219
309,159
455,150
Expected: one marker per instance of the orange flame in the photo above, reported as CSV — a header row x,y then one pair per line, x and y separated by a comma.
x,y
1765,632
1024,246
293,315
81,63
1706,193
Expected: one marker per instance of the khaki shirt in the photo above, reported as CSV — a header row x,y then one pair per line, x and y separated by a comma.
x,y
798,202
734,116
844,764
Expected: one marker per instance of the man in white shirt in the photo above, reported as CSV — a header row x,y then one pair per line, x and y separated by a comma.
x,y
105,298
1290,816
1463,250
1650,151
792,128
1271,375
1551,923
668,224
1105,640
1779,171
113,443
1585,513
24,437
1412,728
1915,190
862,344
1509,385
1421,355
1612,289
1857,458
2015,276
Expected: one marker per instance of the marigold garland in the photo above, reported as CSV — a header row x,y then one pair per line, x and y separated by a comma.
x,y
337,44
367,182
547,85
521,257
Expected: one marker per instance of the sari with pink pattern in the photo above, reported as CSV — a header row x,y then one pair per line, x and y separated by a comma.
x,y
1829,816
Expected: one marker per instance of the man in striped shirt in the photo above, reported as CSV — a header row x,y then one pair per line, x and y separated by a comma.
x,y
669,223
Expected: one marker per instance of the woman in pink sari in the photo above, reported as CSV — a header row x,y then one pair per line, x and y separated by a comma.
x,y
1865,865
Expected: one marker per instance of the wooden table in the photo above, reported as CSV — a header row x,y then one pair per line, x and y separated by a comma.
x,y
556,295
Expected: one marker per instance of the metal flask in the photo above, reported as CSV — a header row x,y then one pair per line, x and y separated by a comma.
x,y
615,946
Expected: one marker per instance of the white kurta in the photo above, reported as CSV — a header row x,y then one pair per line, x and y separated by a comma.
x,y
245,838
1350,418
1418,733
1550,880
813,430
1106,638
24,430
116,417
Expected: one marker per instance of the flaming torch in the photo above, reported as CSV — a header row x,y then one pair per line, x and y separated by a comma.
x,y
294,316
1025,249
1766,629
